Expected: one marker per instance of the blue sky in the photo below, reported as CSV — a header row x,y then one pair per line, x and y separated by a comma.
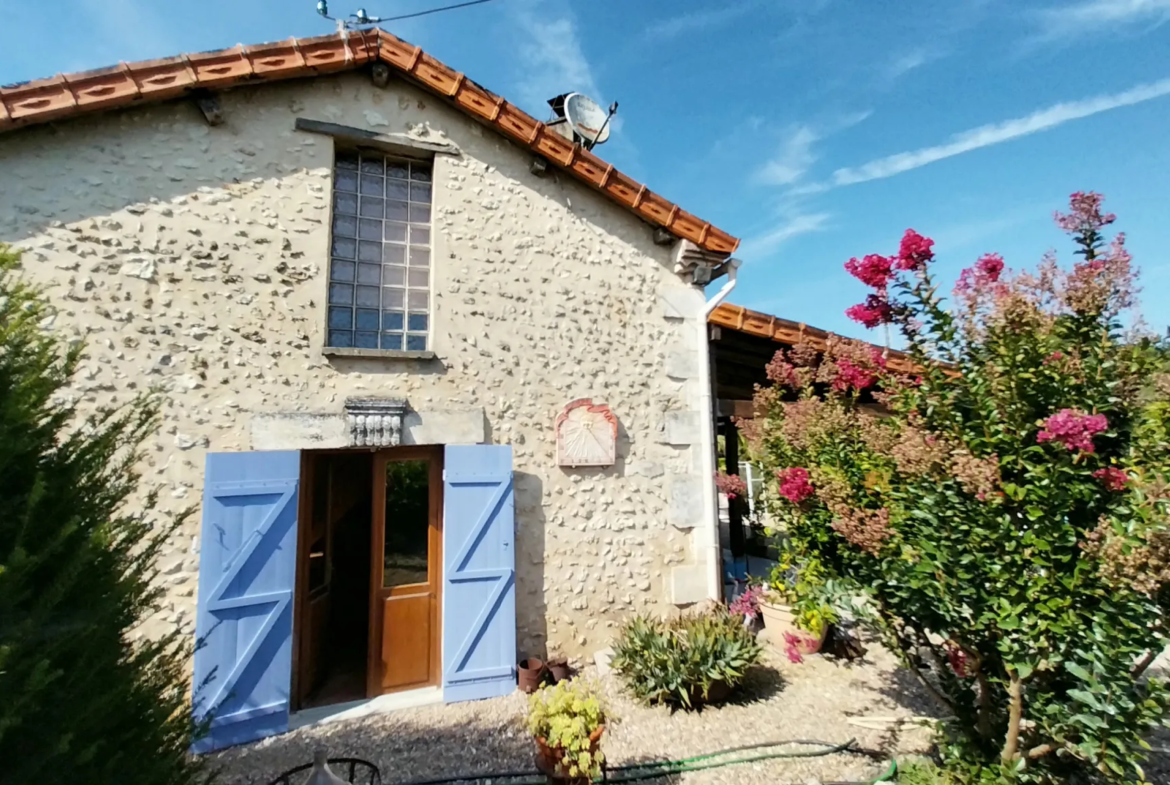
x,y
814,129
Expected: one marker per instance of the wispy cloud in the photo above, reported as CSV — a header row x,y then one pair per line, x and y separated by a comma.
x,y
788,226
997,133
794,159
1090,16
906,62
554,62
676,26
797,151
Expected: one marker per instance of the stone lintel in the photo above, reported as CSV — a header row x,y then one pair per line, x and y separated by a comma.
x,y
330,430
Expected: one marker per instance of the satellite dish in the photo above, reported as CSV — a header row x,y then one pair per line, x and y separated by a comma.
x,y
588,120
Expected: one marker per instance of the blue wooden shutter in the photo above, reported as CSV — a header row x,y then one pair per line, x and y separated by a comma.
x,y
247,572
479,573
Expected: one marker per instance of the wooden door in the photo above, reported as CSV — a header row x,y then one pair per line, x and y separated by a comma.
x,y
405,570
315,569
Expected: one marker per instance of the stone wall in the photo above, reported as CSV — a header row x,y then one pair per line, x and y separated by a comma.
x,y
195,258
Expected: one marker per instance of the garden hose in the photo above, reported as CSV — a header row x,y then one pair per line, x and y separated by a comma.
x,y
654,769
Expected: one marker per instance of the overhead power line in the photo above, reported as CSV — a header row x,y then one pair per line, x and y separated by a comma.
x,y
362,18
436,10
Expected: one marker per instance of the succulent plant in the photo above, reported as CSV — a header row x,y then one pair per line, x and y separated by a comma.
x,y
678,662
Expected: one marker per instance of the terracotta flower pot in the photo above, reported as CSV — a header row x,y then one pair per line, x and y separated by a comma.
x,y
558,669
549,759
779,619
530,674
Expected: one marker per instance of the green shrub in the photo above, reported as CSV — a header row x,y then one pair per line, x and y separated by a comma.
x,y
679,662
79,702
920,772
1008,522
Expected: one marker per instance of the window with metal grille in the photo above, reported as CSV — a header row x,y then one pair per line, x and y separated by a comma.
x,y
380,258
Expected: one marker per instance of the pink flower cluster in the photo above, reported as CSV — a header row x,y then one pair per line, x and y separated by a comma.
x,y
730,484
792,644
958,660
874,311
915,251
873,270
1085,215
1105,284
976,280
1112,478
877,271
1072,428
747,604
850,375
794,484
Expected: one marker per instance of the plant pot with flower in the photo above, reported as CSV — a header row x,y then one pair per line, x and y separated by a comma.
x,y
794,613
567,721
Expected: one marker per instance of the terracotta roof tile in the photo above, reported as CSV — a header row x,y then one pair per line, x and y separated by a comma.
x,y
65,96
740,319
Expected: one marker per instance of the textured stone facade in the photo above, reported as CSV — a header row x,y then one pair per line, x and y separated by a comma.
x,y
195,258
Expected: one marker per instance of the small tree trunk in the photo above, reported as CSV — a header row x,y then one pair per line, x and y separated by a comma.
x,y
1011,744
984,704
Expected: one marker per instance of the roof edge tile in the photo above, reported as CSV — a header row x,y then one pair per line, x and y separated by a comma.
x,y
762,325
64,96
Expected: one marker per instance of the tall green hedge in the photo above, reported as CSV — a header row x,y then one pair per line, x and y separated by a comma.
x,y
80,702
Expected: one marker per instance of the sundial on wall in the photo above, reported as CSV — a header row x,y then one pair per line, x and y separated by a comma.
x,y
586,434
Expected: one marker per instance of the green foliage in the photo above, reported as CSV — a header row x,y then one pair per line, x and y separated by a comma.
x,y
565,716
678,662
1008,524
919,772
78,701
803,585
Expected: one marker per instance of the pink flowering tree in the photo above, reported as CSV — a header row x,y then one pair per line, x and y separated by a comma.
x,y
1001,500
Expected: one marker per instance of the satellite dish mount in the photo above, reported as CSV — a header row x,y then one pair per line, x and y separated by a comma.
x,y
590,123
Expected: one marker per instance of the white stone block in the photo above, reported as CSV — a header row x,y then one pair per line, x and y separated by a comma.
x,y
445,426
681,428
688,584
684,302
299,431
685,510
682,365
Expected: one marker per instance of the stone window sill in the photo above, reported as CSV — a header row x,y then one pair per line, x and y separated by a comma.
x,y
378,354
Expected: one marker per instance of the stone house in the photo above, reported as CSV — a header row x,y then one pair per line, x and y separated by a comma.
x,y
435,377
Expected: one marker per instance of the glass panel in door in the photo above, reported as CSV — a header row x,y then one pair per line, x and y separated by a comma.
x,y
407,523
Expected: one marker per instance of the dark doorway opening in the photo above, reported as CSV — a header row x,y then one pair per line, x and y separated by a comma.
x,y
369,574
334,630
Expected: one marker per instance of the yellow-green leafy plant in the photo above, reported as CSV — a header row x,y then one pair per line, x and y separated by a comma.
x,y
802,584
565,716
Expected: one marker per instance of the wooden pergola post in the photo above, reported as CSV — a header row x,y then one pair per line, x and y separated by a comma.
x,y
734,506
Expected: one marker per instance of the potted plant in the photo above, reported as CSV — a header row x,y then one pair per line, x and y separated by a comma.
x,y
695,660
793,608
567,721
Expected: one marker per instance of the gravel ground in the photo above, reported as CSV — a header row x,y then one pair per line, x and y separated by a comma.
x,y
812,700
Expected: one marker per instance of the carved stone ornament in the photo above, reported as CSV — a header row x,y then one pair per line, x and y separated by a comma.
x,y
375,422
586,434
